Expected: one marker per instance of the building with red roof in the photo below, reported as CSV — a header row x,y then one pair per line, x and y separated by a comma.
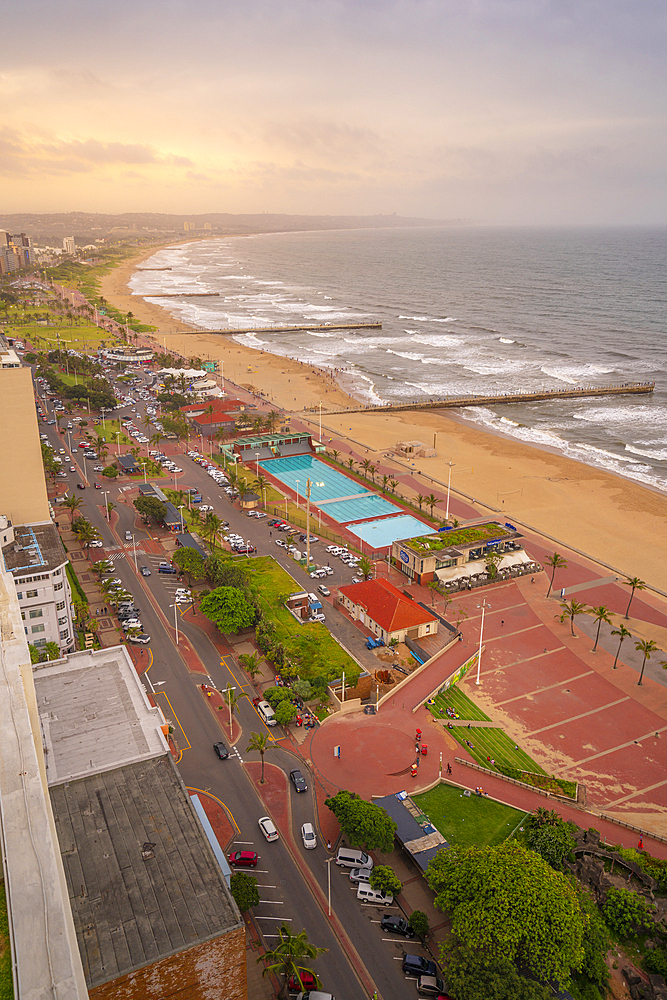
x,y
386,612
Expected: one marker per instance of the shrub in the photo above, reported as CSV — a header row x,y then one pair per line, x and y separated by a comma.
x,y
626,913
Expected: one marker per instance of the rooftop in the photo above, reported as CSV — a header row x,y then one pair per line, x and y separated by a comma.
x,y
142,879
386,605
94,714
459,537
35,548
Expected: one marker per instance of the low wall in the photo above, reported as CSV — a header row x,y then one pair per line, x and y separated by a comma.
x,y
565,799
415,673
455,676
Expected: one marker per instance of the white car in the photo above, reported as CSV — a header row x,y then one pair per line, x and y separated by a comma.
x,y
267,827
97,544
308,836
205,506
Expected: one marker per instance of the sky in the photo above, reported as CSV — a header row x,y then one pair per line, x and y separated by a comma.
x,y
493,111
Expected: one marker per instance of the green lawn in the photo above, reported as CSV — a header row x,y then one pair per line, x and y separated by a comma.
x,y
310,646
468,820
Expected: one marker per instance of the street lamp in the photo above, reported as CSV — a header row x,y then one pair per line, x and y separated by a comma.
x,y
257,464
134,546
308,487
483,606
175,606
449,483
320,406
143,465
106,502
298,483
228,691
328,864
180,507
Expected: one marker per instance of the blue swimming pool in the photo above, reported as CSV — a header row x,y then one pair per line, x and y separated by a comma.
x,y
341,498
379,534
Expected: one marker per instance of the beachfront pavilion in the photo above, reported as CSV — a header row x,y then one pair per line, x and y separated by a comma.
x,y
259,447
454,553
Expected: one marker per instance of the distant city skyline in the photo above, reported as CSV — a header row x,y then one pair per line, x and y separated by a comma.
x,y
496,111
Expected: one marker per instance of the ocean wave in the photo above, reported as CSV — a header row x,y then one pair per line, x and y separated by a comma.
x,y
406,355
660,455
437,339
506,340
429,319
635,415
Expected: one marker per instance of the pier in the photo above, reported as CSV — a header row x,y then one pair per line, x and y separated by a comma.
x,y
452,402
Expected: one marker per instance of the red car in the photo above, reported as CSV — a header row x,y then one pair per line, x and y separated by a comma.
x,y
307,982
245,859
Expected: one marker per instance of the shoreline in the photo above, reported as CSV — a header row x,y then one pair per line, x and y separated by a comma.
x,y
612,519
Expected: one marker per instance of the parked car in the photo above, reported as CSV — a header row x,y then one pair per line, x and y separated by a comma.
x,y
244,859
396,925
324,591
418,966
360,875
304,981
166,567
431,986
267,827
298,780
143,638
221,750
144,570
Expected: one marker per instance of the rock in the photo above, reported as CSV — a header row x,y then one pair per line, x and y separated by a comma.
x,y
631,976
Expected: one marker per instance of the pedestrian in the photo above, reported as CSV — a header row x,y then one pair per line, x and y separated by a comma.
x,y
449,769
468,725
502,621
641,844
328,845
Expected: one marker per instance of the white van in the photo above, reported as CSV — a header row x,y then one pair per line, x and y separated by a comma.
x,y
266,713
368,895
350,857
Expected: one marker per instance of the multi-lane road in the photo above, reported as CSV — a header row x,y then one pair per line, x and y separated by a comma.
x,y
285,894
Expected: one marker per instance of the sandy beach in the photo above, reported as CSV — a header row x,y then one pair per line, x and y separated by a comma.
x,y
611,519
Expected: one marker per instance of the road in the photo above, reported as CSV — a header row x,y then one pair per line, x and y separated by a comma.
x,y
284,893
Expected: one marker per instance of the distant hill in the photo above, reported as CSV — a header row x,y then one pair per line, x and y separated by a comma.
x,y
88,226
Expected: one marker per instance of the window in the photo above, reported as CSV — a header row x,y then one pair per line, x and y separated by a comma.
x,y
57,572
57,586
20,596
31,593
60,606
37,613
38,628
23,616
64,635
39,642
62,621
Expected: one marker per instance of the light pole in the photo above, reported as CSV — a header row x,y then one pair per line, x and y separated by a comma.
x,y
180,507
308,487
228,692
298,483
106,502
143,465
449,483
320,406
118,442
257,464
175,606
134,546
483,606
328,864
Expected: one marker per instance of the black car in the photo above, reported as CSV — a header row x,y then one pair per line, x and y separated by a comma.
x,y
221,750
298,780
396,925
418,966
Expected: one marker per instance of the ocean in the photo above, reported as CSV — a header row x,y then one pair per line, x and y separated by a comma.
x,y
463,310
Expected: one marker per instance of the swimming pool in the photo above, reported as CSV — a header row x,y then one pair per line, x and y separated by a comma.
x,y
339,497
379,534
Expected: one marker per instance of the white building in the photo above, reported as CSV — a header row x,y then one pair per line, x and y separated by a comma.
x,y
69,245
35,557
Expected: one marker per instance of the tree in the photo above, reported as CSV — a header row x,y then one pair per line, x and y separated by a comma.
x,y
552,843
285,712
191,562
418,922
73,504
151,508
476,978
431,500
52,650
86,533
507,902
570,609
35,653
365,567
435,586
596,943
276,694
363,823
243,888
420,500
260,743
626,913
232,698
386,880
111,472
556,562
600,614
287,958
622,632
635,584
492,559
645,646
211,526
229,608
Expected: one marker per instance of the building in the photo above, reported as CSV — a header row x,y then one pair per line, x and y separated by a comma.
x,y
35,557
127,355
128,464
191,540
414,449
414,832
172,517
69,245
16,251
452,553
208,424
45,958
279,444
152,911
386,612
23,498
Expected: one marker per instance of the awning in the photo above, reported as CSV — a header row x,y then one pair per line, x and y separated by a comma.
x,y
450,573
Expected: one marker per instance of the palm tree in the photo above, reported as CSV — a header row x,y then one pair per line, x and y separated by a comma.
x,y
261,743
155,439
260,483
365,465
431,501
420,500
72,504
600,614
372,470
52,650
393,484
645,646
636,584
570,610
366,567
211,526
350,462
250,663
286,959
556,562
622,632
334,454
232,698
385,480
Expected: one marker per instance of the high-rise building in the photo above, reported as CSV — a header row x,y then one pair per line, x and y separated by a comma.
x,y
68,245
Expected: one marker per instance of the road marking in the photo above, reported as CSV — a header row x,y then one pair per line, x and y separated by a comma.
x,y
164,694
249,843
260,885
273,902
210,794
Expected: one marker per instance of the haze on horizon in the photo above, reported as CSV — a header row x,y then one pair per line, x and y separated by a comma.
x,y
497,111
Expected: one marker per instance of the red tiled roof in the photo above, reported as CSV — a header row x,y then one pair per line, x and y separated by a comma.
x,y
386,605
213,418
